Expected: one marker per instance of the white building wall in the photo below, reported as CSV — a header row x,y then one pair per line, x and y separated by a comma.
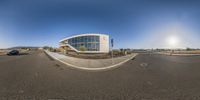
x,y
104,43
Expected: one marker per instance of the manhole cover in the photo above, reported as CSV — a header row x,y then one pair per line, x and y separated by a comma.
x,y
143,64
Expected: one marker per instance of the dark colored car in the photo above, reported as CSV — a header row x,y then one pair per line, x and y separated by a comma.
x,y
13,52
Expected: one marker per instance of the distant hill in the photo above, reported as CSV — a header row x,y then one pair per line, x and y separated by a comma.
x,y
24,47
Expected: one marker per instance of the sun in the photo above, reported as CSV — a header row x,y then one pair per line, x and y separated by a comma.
x,y
172,41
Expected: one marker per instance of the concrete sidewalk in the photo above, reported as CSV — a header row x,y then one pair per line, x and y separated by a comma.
x,y
2,52
90,64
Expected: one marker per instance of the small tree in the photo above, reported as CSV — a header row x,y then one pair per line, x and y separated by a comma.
x,y
188,49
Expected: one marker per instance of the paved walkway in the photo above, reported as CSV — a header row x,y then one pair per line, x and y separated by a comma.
x,y
2,52
91,64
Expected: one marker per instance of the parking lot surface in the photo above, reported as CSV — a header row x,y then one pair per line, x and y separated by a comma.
x,y
35,76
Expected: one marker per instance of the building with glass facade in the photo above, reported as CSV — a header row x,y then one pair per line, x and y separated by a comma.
x,y
86,43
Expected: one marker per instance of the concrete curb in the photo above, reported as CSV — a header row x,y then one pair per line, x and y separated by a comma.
x,y
91,69
179,54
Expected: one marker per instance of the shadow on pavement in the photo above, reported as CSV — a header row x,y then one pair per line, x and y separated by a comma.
x,y
133,58
20,54
23,54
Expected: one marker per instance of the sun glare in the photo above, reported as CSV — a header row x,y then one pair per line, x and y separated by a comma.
x,y
173,41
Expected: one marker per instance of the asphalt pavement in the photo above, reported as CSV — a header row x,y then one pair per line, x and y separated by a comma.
x,y
35,76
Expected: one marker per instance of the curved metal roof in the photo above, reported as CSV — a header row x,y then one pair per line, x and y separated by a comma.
x,y
86,34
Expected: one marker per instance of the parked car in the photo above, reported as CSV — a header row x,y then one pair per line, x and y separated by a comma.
x,y
13,52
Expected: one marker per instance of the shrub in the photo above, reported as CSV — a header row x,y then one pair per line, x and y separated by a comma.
x,y
82,48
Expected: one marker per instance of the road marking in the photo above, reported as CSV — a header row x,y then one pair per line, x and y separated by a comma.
x,y
143,64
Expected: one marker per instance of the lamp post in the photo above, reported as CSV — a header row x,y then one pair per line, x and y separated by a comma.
x,y
112,44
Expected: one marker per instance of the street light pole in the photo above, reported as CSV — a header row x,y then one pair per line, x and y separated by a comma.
x,y
112,42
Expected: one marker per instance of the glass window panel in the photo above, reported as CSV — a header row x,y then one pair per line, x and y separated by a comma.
x,y
75,45
91,43
78,46
97,38
86,39
73,40
89,38
92,38
77,39
86,46
89,46
81,39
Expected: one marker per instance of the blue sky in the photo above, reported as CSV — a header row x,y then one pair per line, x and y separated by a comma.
x,y
132,23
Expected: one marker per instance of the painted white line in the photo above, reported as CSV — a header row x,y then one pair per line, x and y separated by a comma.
x,y
91,69
179,54
186,54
